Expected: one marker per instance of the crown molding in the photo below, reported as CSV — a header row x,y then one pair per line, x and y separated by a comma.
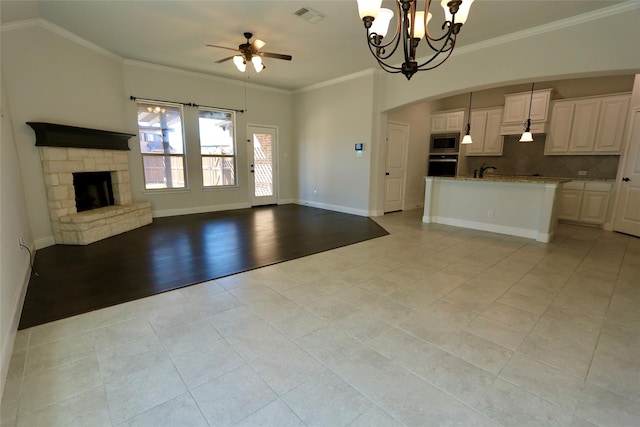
x,y
56,29
197,74
348,77
561,24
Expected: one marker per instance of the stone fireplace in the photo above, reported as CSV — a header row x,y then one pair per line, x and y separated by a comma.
x,y
65,150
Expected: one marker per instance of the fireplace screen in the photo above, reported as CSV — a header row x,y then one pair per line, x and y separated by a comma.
x,y
93,190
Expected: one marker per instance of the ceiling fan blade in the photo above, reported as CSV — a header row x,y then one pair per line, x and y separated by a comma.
x,y
224,59
257,45
222,47
275,55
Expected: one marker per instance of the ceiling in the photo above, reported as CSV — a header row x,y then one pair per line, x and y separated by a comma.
x,y
174,33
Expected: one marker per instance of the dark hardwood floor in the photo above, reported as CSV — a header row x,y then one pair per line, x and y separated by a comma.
x,y
180,251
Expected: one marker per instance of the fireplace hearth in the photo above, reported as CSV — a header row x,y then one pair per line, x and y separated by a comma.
x,y
101,205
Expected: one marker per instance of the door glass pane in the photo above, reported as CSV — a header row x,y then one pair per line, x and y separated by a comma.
x,y
262,164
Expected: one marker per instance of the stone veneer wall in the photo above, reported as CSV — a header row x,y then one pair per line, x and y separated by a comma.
x,y
71,227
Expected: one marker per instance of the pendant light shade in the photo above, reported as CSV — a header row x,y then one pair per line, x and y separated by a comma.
x,y
467,137
526,135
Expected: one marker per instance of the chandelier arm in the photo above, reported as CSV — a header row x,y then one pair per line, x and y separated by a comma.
x,y
379,51
447,44
395,36
446,34
422,67
407,45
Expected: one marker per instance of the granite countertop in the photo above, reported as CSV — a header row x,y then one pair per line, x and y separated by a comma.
x,y
509,178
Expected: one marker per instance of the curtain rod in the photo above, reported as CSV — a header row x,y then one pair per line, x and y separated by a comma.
x,y
187,104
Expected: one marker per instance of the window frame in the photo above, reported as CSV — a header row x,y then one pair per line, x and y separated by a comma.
x,y
223,157
171,156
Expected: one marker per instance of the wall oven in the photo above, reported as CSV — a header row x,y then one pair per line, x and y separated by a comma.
x,y
442,165
444,143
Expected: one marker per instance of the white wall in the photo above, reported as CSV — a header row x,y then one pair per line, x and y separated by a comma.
x,y
330,119
54,76
264,106
604,44
52,79
14,223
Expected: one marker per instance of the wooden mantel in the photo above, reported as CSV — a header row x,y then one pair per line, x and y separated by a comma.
x,y
56,135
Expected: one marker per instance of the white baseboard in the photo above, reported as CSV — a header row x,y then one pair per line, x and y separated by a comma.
x,y
44,242
494,228
9,331
336,208
199,209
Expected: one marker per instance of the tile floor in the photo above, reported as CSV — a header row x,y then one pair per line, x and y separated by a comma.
x,y
431,325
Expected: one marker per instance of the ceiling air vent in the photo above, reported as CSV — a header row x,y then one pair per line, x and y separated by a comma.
x,y
309,14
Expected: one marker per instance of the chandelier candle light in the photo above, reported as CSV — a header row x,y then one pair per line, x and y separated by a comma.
x,y
411,29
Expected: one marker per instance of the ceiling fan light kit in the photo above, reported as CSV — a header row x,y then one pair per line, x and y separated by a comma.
x,y
250,52
412,27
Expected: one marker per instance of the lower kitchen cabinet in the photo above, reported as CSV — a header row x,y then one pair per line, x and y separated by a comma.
x,y
585,201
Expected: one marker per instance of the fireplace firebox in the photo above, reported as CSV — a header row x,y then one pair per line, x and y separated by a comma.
x,y
93,190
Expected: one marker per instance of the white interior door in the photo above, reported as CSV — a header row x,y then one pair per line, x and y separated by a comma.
x,y
263,149
396,166
627,217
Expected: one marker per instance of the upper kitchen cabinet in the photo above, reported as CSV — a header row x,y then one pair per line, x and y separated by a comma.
x,y
485,133
613,115
447,121
592,125
516,111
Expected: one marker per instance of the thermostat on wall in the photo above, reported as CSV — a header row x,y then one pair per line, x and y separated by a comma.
x,y
359,146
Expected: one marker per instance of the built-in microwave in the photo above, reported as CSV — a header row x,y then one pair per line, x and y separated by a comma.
x,y
444,143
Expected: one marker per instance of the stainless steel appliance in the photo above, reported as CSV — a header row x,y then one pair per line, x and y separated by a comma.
x,y
442,165
444,143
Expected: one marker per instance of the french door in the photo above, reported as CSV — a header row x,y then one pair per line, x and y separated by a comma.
x,y
263,155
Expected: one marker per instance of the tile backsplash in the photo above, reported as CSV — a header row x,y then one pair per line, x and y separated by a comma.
x,y
529,159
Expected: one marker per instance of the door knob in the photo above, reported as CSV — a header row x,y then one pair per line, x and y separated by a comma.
x,y
626,179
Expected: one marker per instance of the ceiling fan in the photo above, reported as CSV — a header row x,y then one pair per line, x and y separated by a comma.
x,y
250,52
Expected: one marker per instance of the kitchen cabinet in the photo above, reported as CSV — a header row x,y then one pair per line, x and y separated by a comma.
x,y
447,121
613,115
485,133
516,111
585,201
591,125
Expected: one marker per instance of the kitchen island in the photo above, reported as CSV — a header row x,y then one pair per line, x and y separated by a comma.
x,y
514,205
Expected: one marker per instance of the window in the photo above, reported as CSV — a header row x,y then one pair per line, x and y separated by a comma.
x,y
161,145
217,147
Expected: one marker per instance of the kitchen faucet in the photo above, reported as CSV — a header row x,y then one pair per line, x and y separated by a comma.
x,y
483,168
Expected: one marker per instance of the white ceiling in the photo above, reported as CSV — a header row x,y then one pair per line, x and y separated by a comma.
x,y
174,33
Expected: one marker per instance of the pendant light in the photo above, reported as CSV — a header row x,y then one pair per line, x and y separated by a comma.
x,y
527,136
467,137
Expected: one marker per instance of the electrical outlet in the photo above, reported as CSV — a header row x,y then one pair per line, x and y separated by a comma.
x,y
582,173
490,213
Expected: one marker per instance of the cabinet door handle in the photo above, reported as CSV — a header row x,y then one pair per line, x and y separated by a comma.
x,y
386,173
626,179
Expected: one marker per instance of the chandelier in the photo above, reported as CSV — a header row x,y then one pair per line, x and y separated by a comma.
x,y
411,29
